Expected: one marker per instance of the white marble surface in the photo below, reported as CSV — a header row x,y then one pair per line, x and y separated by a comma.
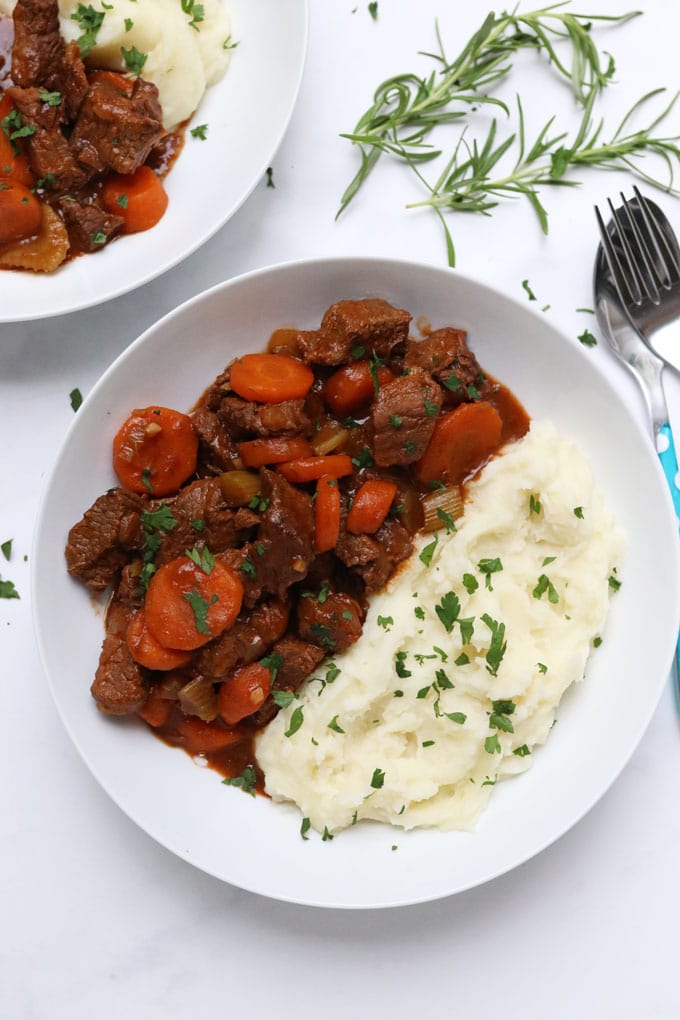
x,y
99,921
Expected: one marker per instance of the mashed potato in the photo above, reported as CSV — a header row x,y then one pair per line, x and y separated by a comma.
x,y
462,663
181,60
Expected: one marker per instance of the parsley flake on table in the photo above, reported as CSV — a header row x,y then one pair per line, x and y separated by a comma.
x,y
587,338
6,548
76,398
7,590
305,827
200,131
270,177
527,288
373,9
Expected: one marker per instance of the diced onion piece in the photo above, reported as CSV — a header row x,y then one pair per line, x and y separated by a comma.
x,y
42,254
198,698
449,501
329,438
239,487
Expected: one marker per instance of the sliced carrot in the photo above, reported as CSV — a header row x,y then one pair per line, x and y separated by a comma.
x,y
200,737
147,651
310,469
20,211
156,709
114,78
13,162
139,198
270,378
257,452
326,514
353,387
185,606
155,450
243,692
370,507
463,440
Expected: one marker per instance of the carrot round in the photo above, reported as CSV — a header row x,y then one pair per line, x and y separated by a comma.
x,y
139,198
155,450
200,737
147,651
310,469
156,709
257,452
370,507
185,607
20,211
13,162
243,692
270,378
463,439
353,387
326,514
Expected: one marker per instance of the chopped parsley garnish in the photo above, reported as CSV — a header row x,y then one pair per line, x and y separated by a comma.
x,y
423,692
499,718
399,660
273,663
492,745
198,524
447,520
203,558
430,408
248,567
452,383
427,552
386,622
335,725
134,61
196,12
597,641
122,201
373,9
587,338
228,44
522,751
296,721
578,512
146,480
395,421
496,651
76,398
472,391
470,583
547,560
270,177
457,717
419,612
283,698
527,288
447,610
128,24
322,635
200,607
89,22
51,98
614,583
305,827
6,548
245,780
7,590
462,660
409,447
364,459
534,504
378,780
542,668
326,835
428,743
489,567
466,629
443,680
374,364
99,237
544,585
200,131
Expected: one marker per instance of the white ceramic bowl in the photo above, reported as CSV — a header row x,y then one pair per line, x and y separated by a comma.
x,y
247,113
237,837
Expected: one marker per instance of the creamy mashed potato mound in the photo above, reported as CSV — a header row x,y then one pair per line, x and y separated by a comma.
x,y
180,60
407,732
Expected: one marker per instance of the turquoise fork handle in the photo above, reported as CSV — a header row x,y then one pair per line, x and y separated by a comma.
x,y
665,447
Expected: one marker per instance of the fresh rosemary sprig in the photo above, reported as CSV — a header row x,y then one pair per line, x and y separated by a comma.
x,y
467,184
407,107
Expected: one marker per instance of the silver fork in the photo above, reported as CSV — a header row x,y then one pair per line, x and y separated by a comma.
x,y
624,270
644,257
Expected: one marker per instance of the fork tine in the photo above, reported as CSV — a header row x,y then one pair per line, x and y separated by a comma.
x,y
620,241
641,257
667,257
619,275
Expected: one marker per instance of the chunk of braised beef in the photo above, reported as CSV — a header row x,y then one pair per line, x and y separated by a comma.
x,y
284,547
371,324
447,357
100,544
89,227
216,451
204,519
249,639
299,659
244,418
120,685
38,44
70,80
47,148
334,623
374,557
129,591
114,130
403,416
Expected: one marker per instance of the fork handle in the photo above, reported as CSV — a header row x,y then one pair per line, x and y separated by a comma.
x,y
665,447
